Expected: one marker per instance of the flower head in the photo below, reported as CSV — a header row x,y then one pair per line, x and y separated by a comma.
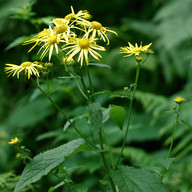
x,y
79,16
14,141
48,39
97,30
30,68
179,100
83,46
130,50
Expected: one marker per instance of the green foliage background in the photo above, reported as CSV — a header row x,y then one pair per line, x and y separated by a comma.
x,y
25,113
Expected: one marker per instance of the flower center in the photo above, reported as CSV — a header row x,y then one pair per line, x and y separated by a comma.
x,y
84,43
69,16
137,50
52,40
96,25
60,28
26,64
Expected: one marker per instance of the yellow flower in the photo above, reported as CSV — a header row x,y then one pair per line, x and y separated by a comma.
x,y
179,100
83,46
50,40
63,29
38,38
28,67
79,16
134,50
96,29
14,141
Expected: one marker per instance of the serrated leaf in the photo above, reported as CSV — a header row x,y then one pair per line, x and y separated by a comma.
x,y
43,163
95,117
117,114
130,179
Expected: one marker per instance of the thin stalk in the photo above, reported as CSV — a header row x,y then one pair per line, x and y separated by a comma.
x,y
105,163
71,72
129,113
109,146
48,88
91,85
83,82
173,137
82,92
61,111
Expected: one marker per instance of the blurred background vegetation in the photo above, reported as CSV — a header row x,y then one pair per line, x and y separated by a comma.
x,y
28,115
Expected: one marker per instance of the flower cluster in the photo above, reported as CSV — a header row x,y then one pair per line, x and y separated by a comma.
x,y
74,34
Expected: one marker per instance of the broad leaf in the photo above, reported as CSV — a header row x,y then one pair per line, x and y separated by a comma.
x,y
117,114
95,117
130,179
43,163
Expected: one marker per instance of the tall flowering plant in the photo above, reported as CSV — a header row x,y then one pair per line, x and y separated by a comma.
x,y
75,40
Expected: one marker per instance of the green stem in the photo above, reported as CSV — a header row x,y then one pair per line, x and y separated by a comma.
x,y
60,110
105,163
71,72
47,79
109,146
129,113
91,85
82,81
173,137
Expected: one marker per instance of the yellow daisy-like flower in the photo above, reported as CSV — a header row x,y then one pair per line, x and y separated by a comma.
x,y
38,38
79,16
50,40
14,141
134,50
63,29
50,43
179,100
30,68
96,28
84,47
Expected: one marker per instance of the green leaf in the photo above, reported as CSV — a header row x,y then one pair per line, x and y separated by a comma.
x,y
95,117
100,65
117,114
106,114
28,114
79,188
17,42
43,163
166,163
130,179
